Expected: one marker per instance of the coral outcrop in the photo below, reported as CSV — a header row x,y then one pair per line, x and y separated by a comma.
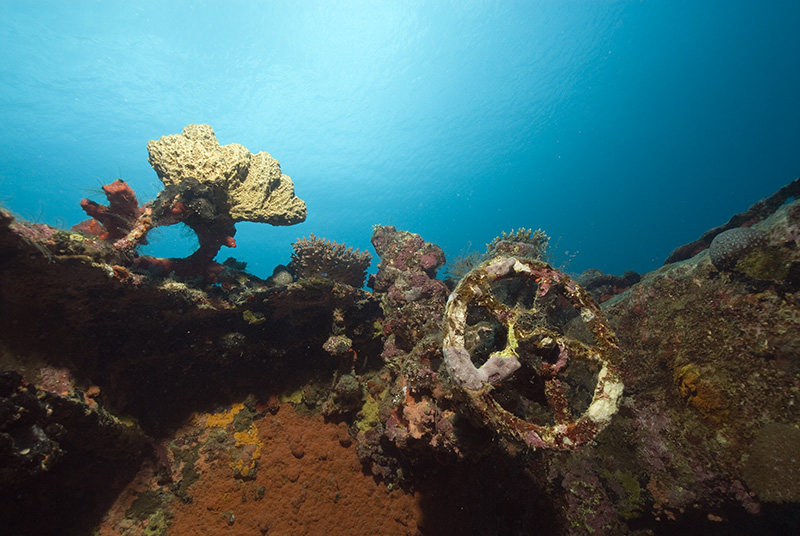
x,y
413,409
732,245
759,211
411,296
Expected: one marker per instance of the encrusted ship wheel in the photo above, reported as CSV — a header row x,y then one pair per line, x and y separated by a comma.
x,y
533,352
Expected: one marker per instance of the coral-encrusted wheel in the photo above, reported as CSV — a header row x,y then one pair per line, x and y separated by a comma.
x,y
533,352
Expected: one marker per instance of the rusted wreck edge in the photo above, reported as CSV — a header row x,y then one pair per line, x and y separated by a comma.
x,y
758,211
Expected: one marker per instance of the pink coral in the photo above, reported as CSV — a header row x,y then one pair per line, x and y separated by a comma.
x,y
118,218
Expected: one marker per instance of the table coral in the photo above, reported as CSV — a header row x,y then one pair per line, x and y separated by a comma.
x,y
256,188
209,188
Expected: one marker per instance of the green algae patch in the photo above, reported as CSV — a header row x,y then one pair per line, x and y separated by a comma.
x,y
765,264
189,474
630,507
148,504
368,416
158,524
295,397
252,318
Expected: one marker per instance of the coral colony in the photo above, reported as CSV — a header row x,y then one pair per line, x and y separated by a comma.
x,y
185,396
208,187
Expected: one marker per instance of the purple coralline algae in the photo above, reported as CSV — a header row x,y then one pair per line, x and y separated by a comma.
x,y
415,409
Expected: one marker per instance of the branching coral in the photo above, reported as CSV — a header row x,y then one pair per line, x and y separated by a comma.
x,y
523,243
520,243
317,257
118,218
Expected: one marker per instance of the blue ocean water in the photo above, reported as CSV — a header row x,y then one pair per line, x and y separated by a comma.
x,y
623,129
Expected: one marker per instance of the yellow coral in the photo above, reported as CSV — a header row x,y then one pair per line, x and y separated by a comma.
x,y
253,318
377,329
256,188
249,456
223,418
701,393
295,397
247,437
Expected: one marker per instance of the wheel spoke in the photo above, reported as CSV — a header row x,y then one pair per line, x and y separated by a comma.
x,y
557,399
583,351
502,312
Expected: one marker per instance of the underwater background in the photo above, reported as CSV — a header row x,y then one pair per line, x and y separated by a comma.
x,y
623,129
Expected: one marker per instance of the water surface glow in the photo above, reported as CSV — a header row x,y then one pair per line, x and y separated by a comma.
x,y
624,129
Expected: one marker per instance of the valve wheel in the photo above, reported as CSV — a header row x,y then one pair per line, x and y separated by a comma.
x,y
549,375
